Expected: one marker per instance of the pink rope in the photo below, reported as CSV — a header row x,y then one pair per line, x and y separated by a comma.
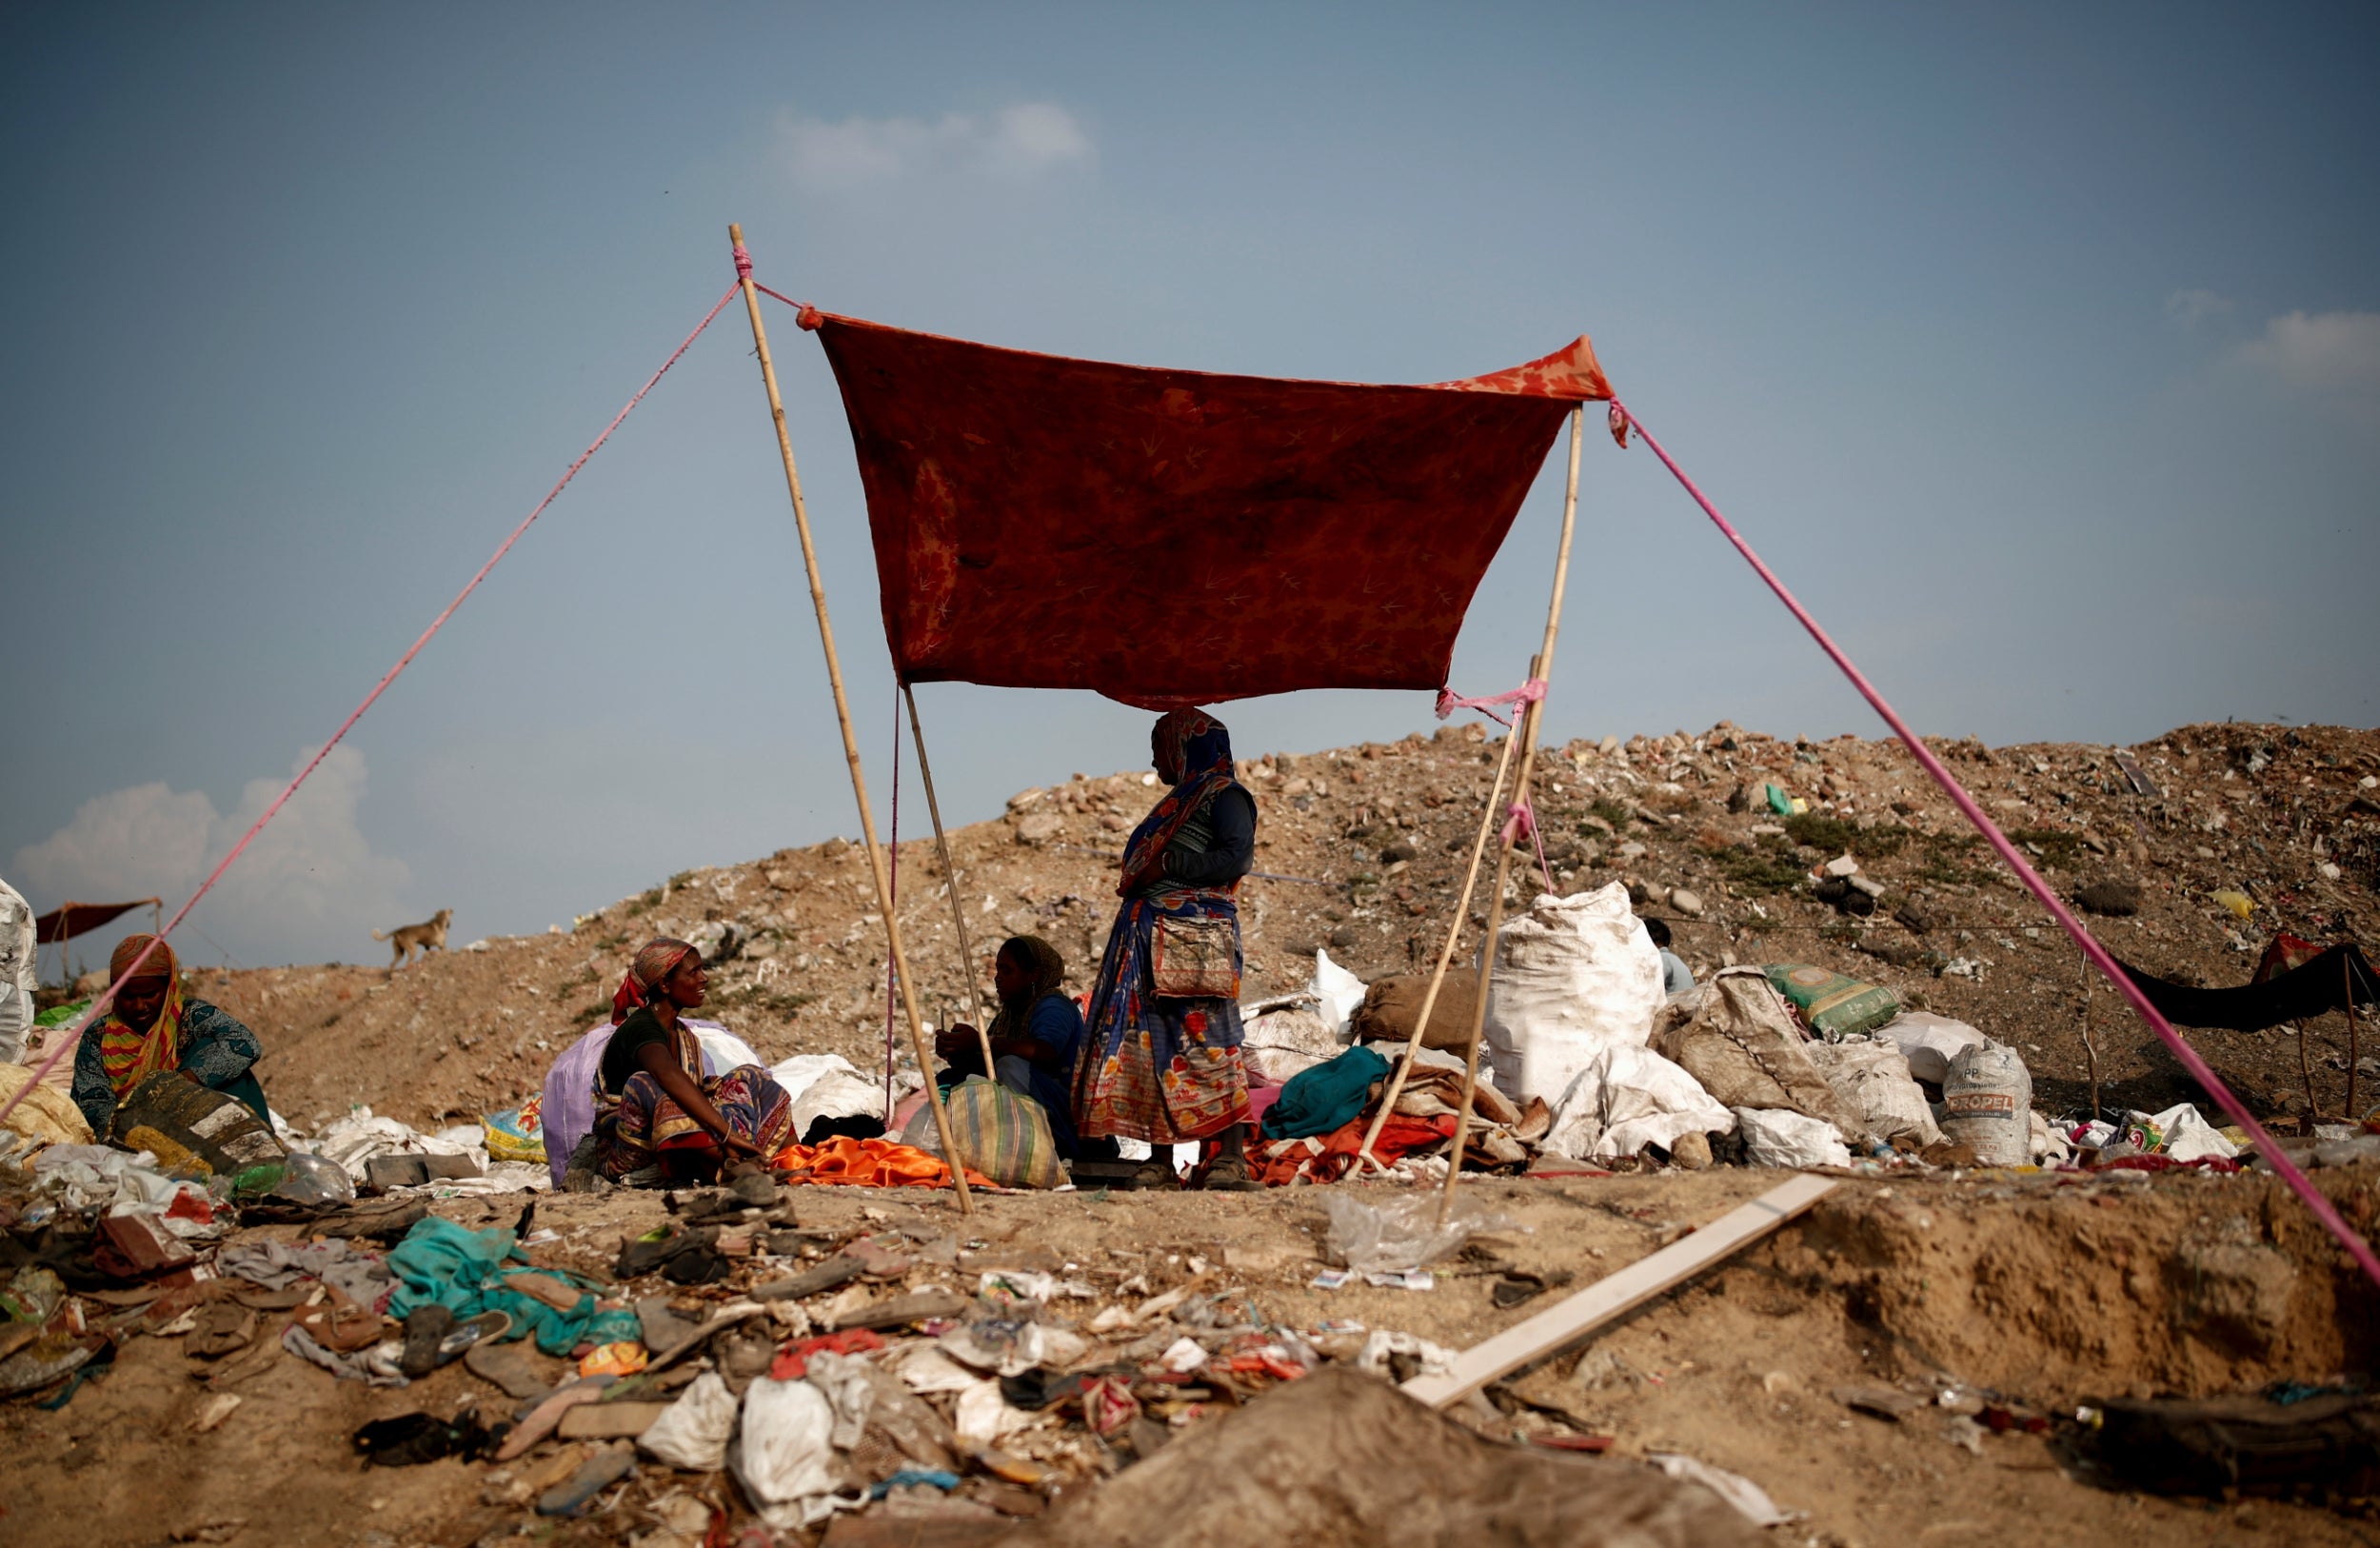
x,y
1524,820
2359,1249
1528,693
107,997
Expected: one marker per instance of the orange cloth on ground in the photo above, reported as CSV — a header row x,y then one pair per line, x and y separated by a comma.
x,y
846,1163
1327,1157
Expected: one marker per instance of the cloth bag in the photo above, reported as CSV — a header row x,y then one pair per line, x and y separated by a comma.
x,y
1000,1134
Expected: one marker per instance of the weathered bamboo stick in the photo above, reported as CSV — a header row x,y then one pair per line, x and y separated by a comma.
x,y
850,743
1525,730
950,878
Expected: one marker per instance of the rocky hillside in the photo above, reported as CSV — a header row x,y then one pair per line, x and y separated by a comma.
x,y
1360,850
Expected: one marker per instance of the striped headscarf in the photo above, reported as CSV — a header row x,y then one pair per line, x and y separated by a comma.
x,y
659,958
131,1055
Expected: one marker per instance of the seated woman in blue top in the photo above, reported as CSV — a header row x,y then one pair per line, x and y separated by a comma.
x,y
1035,1036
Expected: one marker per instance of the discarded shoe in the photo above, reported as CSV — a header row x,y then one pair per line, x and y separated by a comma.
x,y
426,1328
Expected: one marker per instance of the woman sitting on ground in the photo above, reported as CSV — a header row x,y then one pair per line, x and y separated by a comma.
x,y
1165,1067
1035,1036
660,1121
152,1029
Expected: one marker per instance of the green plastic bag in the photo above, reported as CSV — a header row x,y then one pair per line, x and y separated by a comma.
x,y
1830,1005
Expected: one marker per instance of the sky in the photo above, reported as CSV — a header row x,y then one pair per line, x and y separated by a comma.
x,y
2038,349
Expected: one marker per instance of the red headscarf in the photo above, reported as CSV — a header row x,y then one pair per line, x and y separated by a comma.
x,y
655,963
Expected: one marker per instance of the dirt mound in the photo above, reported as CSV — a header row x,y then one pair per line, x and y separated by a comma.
x,y
1360,851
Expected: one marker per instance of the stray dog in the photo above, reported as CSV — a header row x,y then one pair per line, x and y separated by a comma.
x,y
424,937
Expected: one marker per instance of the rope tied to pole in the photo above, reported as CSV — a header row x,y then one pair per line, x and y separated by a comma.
x,y
2190,1057
743,264
1523,818
1528,693
99,1008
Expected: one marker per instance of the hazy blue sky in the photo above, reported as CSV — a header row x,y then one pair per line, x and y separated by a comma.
x,y
2039,347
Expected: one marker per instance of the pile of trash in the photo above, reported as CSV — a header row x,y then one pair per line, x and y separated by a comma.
x,y
1585,1060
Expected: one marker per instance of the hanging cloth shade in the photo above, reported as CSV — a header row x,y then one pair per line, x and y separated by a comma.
x,y
1170,537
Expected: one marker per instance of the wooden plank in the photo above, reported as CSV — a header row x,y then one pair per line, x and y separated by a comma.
x,y
1615,1294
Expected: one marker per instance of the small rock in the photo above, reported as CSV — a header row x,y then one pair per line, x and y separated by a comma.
x,y
1915,917
1842,866
1692,1151
1690,905
1040,828
1397,849
1025,798
2328,871
1345,937
2118,899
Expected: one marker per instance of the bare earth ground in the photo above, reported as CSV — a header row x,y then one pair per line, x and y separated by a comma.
x,y
2047,1289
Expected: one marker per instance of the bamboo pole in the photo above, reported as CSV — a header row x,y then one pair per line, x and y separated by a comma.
x,y
950,877
850,744
2091,1050
1438,976
1525,731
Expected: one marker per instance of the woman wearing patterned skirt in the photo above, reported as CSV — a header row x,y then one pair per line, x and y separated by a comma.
x,y
1166,1067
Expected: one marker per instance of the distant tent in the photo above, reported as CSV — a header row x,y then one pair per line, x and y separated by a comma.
x,y
67,921
1175,537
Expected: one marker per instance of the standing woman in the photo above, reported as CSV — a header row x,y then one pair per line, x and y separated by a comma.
x,y
1162,1061
151,1028
659,1120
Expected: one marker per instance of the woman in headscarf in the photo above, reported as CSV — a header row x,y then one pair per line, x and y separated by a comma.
x,y
1035,1036
151,1028
659,1120
1163,1060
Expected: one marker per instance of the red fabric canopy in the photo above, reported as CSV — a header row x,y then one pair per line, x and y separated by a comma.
x,y
68,921
1179,537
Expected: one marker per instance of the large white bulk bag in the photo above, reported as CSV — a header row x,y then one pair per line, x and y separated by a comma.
x,y
1573,977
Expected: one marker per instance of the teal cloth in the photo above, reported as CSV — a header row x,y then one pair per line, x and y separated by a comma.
x,y
462,1270
1326,1097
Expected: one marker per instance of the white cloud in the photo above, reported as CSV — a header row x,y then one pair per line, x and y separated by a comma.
x,y
2330,354
2192,307
309,888
1018,141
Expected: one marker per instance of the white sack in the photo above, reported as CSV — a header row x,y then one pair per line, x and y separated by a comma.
x,y
1872,1077
1627,1099
1573,977
1340,993
1283,1043
826,1086
692,1433
1987,1104
1775,1136
1930,1043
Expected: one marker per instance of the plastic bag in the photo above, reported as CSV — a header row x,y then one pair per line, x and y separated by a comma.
x,y
1831,1004
1987,1106
1628,1099
1400,1234
1930,1043
2182,1133
784,1453
1339,993
1573,976
1775,1136
315,1179
692,1433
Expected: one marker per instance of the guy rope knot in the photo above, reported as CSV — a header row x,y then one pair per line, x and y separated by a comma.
x,y
743,264
1528,693
809,318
